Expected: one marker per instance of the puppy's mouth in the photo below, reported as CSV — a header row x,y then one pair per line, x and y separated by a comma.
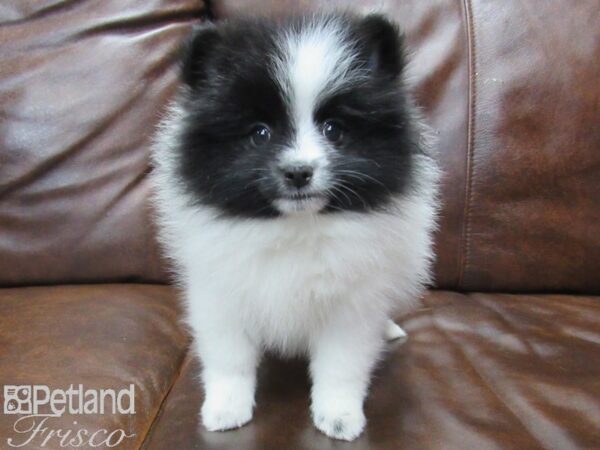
x,y
303,197
301,202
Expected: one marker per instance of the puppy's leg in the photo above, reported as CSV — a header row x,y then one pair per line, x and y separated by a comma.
x,y
229,361
342,358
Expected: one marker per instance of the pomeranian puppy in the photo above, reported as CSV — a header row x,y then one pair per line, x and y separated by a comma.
x,y
296,196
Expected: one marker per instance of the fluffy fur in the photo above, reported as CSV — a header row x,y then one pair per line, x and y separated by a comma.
x,y
314,269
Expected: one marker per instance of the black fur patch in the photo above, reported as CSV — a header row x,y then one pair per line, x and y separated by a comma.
x,y
230,88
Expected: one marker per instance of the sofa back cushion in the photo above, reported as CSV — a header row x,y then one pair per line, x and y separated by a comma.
x,y
509,87
82,85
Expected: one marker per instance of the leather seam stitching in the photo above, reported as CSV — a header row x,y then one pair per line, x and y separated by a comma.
x,y
466,228
161,405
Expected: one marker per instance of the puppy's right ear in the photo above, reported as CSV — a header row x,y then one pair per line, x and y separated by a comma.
x,y
196,51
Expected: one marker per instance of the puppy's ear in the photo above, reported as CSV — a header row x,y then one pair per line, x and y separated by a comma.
x,y
384,45
195,53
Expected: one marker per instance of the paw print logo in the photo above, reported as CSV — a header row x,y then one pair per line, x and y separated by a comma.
x,y
17,399
11,405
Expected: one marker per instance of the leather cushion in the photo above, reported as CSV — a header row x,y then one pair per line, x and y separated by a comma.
x,y
480,371
82,85
100,336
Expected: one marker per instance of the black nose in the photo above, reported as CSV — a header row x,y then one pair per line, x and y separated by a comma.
x,y
297,176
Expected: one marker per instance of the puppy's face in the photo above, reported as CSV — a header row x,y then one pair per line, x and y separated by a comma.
x,y
305,116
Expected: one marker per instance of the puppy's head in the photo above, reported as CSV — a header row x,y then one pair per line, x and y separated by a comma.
x,y
295,117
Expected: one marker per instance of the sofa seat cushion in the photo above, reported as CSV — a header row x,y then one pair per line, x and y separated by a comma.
x,y
100,337
479,371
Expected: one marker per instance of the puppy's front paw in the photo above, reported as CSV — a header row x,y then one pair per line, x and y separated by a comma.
x,y
227,407
345,424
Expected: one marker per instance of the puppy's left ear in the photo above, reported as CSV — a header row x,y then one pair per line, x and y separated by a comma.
x,y
384,45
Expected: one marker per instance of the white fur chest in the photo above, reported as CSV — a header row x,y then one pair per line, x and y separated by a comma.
x,y
280,279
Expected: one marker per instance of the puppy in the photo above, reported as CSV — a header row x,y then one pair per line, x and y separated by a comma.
x,y
296,197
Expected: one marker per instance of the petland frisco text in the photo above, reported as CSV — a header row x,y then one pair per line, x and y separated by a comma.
x,y
40,408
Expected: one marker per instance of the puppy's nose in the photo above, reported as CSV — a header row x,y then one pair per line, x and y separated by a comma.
x,y
297,176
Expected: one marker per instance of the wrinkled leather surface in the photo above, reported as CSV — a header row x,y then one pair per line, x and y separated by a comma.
x,y
532,219
102,336
82,85
479,371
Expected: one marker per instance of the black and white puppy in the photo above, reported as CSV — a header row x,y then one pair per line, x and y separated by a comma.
x,y
297,199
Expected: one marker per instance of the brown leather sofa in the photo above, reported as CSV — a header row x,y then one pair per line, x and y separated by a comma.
x,y
504,353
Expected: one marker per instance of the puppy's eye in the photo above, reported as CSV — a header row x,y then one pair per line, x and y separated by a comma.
x,y
260,135
332,131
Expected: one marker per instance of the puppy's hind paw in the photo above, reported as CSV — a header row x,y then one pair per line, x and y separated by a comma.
x,y
393,332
